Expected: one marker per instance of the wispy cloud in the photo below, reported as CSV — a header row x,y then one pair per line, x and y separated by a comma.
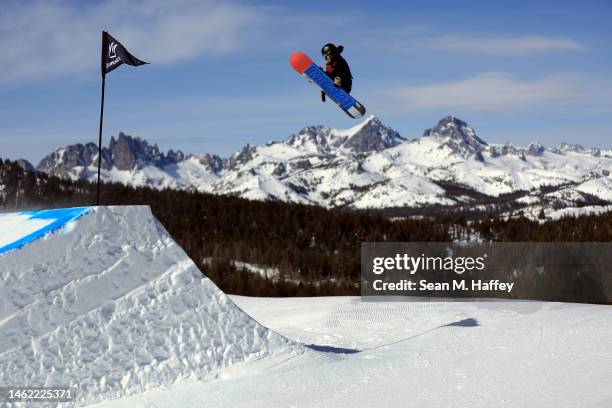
x,y
513,46
494,91
49,38
414,38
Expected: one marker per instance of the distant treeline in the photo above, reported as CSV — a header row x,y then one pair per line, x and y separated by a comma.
x,y
315,250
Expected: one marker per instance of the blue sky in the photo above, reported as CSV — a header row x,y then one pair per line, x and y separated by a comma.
x,y
219,76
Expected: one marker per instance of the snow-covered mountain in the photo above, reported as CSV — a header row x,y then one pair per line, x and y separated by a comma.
x,y
367,166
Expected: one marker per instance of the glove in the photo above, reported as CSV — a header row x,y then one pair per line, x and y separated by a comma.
x,y
338,81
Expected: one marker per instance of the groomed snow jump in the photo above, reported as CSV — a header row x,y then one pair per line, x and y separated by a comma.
x,y
103,298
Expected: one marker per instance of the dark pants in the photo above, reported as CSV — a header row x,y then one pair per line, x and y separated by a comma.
x,y
347,83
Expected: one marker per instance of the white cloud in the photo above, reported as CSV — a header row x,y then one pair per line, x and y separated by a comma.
x,y
412,38
44,39
512,46
494,91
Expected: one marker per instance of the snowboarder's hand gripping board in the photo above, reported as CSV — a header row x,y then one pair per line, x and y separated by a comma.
x,y
304,65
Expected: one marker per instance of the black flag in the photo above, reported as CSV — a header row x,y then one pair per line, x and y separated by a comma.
x,y
114,54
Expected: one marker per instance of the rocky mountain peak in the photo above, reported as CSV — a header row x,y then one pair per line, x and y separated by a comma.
x,y
125,153
316,135
459,137
570,147
506,150
373,135
211,162
130,152
247,153
456,129
535,149
73,159
370,135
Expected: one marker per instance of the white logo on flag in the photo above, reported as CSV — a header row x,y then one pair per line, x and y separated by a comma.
x,y
112,50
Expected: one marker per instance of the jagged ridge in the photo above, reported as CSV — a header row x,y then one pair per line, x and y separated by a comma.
x,y
369,165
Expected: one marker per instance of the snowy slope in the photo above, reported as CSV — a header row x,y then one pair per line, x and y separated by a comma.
x,y
109,302
419,354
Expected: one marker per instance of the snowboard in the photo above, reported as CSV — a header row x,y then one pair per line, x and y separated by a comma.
x,y
315,75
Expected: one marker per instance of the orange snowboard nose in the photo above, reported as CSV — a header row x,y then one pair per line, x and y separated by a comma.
x,y
300,61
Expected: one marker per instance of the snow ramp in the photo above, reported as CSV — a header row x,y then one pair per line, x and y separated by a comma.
x,y
103,298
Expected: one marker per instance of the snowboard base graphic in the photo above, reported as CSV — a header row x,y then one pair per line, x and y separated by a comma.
x,y
305,66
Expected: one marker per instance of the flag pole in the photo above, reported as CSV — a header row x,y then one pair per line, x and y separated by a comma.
x,y
103,69
113,55
100,138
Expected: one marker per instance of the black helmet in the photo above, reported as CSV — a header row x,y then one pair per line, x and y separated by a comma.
x,y
329,47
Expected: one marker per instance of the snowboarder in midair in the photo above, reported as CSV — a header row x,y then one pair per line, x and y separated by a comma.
x,y
337,68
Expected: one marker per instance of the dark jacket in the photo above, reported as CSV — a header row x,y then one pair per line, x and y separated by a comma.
x,y
338,67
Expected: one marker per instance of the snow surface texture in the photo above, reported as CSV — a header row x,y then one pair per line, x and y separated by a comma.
x,y
113,305
372,166
418,354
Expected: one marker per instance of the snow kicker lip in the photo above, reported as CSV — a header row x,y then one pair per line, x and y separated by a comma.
x,y
56,218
